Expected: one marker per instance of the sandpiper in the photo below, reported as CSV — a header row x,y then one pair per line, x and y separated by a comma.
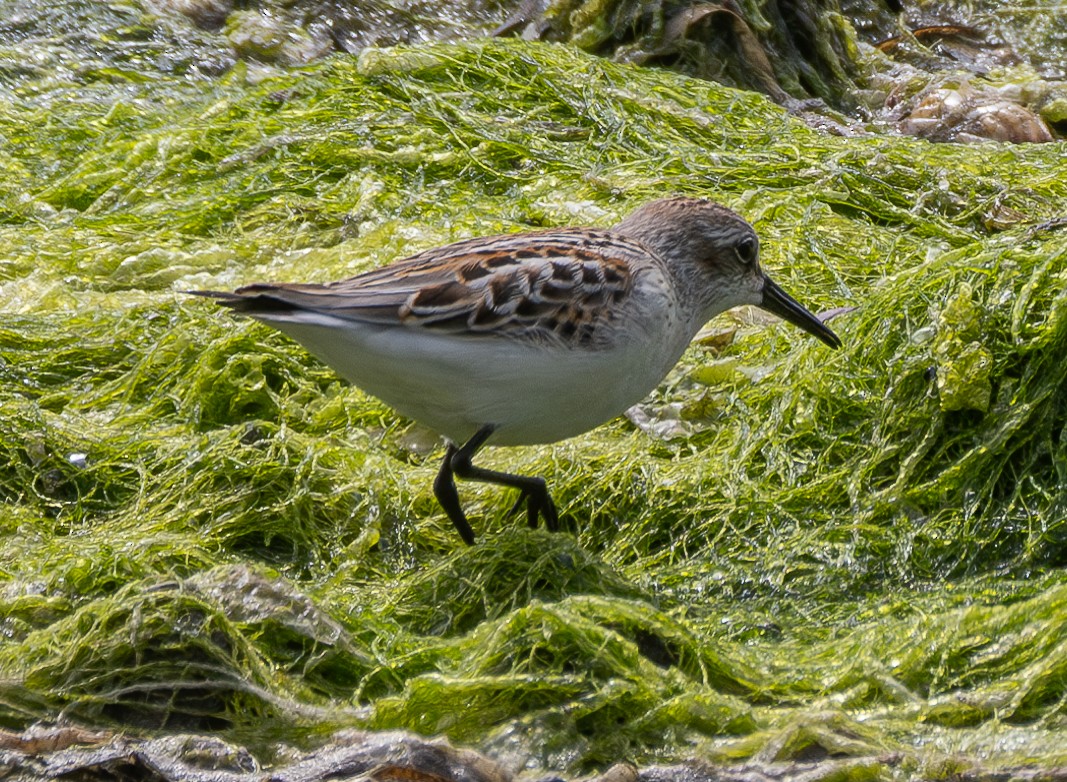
x,y
529,337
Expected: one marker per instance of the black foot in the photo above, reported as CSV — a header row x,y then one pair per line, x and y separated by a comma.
x,y
533,492
538,503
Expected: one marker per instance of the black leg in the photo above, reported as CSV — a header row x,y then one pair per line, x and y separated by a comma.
x,y
444,488
533,491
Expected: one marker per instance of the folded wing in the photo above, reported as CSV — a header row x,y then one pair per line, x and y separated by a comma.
x,y
553,286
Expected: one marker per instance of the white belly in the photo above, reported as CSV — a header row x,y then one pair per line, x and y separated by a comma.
x,y
457,384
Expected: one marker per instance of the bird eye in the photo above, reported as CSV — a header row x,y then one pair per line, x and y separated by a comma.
x,y
746,250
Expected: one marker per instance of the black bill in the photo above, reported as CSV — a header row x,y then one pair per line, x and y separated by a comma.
x,y
786,307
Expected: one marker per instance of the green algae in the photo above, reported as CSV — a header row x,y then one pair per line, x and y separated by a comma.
x,y
851,554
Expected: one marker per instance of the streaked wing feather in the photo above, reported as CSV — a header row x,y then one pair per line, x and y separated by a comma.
x,y
551,285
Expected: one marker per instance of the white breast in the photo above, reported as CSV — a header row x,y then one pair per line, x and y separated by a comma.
x,y
532,393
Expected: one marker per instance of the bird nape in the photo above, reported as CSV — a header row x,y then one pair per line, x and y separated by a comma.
x,y
530,337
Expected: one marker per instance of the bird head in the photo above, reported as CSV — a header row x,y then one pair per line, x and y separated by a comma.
x,y
713,254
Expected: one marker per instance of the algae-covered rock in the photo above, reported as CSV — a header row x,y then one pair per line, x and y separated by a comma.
x,y
205,532
964,366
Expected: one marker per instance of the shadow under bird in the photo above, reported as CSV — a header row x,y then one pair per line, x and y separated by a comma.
x,y
530,337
